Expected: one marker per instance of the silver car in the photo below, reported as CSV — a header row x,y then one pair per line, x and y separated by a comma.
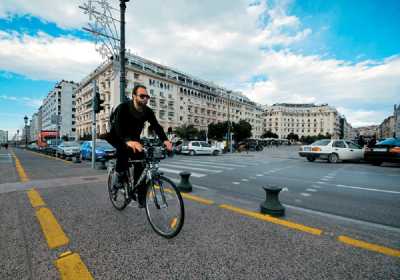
x,y
68,149
199,148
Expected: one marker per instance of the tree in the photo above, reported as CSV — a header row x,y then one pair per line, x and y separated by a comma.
x,y
187,132
269,134
217,131
292,136
241,130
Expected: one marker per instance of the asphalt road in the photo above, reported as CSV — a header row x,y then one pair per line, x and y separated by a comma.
x,y
346,199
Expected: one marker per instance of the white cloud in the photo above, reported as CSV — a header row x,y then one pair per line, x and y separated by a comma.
x,y
214,40
64,13
28,101
47,58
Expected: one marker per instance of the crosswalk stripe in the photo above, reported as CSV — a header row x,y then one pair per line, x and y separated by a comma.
x,y
217,163
191,168
204,164
193,174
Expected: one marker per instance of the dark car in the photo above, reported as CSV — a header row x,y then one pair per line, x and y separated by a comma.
x,y
387,150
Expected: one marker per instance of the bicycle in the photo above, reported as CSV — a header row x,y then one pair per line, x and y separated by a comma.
x,y
164,205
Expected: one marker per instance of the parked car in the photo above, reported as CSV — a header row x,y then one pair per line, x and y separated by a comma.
x,y
387,150
68,149
198,148
51,148
104,150
332,150
33,147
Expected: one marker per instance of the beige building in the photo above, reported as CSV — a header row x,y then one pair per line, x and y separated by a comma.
x,y
302,119
176,98
396,115
367,131
387,128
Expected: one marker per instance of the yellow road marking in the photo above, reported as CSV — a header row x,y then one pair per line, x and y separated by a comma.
x,y
53,232
268,218
21,172
369,246
197,199
71,267
35,198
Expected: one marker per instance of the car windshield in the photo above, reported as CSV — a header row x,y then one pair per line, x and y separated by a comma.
x,y
104,145
390,142
70,144
321,143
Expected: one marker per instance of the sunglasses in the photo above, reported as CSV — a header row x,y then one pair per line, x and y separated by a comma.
x,y
143,96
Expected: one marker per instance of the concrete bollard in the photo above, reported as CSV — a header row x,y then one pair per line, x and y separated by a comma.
x,y
100,165
271,205
185,185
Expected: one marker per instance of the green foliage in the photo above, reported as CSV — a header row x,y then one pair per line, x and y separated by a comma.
x,y
217,131
269,134
187,132
311,139
241,130
292,136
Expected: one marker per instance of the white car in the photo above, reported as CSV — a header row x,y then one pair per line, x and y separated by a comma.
x,y
199,148
332,150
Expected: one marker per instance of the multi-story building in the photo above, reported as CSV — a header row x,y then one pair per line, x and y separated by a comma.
x,y
35,124
302,119
367,131
3,136
58,109
176,98
386,128
346,130
396,115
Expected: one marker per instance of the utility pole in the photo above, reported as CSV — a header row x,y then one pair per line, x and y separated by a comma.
x,y
229,123
94,124
122,51
102,25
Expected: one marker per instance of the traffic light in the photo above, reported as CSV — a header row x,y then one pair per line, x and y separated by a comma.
x,y
97,102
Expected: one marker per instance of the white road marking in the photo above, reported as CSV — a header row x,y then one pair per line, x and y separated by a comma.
x,y
259,175
191,168
298,200
315,186
285,189
236,183
311,190
305,194
367,189
245,180
200,164
216,163
193,174
320,182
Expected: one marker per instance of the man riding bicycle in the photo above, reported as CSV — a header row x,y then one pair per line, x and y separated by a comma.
x,y
127,124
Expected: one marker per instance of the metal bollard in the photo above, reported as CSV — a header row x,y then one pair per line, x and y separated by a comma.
x,y
271,205
185,185
77,159
100,165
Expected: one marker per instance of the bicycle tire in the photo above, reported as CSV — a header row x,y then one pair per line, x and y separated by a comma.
x,y
172,222
111,193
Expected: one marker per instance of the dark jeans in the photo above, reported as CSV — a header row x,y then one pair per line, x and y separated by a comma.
x,y
123,154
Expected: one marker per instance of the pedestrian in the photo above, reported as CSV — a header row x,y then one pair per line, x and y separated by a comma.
x,y
372,142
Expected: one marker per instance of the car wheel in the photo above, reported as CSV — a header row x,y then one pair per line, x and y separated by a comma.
x,y
377,163
215,153
310,159
192,153
333,158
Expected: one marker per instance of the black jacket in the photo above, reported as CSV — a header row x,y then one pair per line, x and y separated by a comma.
x,y
127,124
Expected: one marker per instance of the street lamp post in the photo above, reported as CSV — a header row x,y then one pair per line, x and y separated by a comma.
x,y
26,131
229,123
122,51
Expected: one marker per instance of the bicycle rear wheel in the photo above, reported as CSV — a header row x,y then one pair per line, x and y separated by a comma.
x,y
164,207
117,196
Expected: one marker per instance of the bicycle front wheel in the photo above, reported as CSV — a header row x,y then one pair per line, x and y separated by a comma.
x,y
164,207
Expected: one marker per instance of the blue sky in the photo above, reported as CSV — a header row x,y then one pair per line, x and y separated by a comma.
x,y
345,53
